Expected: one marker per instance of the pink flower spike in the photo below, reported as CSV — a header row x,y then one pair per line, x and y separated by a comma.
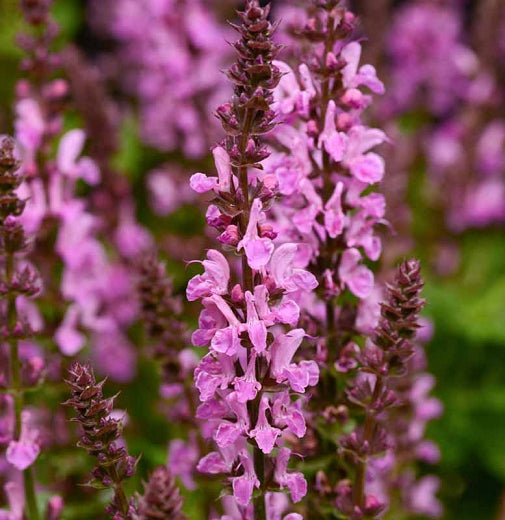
x,y
264,434
23,452
257,250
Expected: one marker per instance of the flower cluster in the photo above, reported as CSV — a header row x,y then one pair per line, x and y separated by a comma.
x,y
325,165
100,435
161,497
382,359
18,282
53,204
247,378
298,394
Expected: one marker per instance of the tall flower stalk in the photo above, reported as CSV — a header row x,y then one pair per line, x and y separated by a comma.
x,y
100,435
246,380
326,168
381,361
17,279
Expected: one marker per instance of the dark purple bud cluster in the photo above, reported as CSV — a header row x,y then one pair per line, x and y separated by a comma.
x,y
100,433
161,498
161,312
18,280
383,360
254,77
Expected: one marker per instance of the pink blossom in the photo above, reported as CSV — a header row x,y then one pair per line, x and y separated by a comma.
x,y
295,481
214,280
257,249
22,453
357,277
244,485
365,75
71,146
264,434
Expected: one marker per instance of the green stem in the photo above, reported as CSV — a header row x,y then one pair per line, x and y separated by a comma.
x,y
32,511
368,430
119,494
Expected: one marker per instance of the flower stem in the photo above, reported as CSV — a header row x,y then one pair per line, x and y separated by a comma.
x,y
359,496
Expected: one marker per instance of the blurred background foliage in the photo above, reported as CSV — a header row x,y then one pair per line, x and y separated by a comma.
x,y
467,308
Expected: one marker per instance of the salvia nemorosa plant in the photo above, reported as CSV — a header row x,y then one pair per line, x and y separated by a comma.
x,y
248,378
100,433
19,281
68,232
382,359
327,172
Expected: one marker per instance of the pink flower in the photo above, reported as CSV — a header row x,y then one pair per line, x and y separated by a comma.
x,y
23,452
365,166
334,142
214,463
131,238
182,459
201,183
334,216
67,337
286,274
247,386
264,434
366,75
257,249
30,126
71,146
244,485
214,280
301,375
289,94
295,481
286,413
256,328
422,499
212,373
356,276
